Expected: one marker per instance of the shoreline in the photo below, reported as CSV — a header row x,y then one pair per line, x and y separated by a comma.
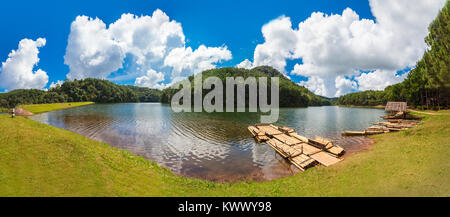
x,y
42,108
362,106
148,177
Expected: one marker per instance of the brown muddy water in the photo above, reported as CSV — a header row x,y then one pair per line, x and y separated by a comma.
x,y
211,146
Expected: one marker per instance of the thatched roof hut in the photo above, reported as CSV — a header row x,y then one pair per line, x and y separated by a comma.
x,y
396,106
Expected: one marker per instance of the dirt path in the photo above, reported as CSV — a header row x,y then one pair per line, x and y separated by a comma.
x,y
427,113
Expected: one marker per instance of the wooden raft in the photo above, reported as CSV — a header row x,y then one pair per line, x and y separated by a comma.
x,y
392,125
299,150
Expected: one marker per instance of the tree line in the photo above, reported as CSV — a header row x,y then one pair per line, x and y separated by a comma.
x,y
427,85
90,89
290,93
103,91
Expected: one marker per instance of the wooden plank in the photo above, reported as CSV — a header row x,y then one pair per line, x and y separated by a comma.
x,y
321,142
324,158
303,161
288,150
269,130
301,138
336,150
287,139
306,148
271,144
382,123
382,128
327,145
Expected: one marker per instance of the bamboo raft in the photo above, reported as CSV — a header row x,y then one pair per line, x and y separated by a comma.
x,y
392,125
300,151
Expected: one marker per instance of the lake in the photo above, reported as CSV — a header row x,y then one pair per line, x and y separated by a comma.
x,y
211,146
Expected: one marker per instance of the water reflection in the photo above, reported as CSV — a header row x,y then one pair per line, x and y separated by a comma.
x,y
212,146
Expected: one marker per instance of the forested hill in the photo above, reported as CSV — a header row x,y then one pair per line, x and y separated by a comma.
x,y
427,85
90,89
291,94
103,91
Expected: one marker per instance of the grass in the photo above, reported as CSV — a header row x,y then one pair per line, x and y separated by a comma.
x,y
41,160
40,108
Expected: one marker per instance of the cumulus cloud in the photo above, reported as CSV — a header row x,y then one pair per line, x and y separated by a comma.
x,y
151,44
378,79
184,61
246,64
344,85
315,84
151,79
332,47
91,51
57,84
17,71
280,40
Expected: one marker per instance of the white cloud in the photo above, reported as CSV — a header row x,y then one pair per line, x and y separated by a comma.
x,y
345,45
57,84
378,79
184,61
150,43
279,45
91,50
344,85
151,79
315,84
246,64
17,71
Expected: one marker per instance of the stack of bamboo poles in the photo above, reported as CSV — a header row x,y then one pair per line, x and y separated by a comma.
x,y
299,150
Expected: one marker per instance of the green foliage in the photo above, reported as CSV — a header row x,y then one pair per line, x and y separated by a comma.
x,y
90,89
427,85
365,98
291,94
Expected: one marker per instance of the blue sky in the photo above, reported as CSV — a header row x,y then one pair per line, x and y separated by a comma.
x,y
235,24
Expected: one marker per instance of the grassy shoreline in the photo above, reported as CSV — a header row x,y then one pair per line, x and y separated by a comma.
x,y
41,108
42,160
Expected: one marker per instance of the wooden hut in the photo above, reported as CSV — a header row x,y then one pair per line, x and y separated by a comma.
x,y
396,107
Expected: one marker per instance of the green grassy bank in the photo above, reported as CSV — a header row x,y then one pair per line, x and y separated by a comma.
x,y
40,108
41,160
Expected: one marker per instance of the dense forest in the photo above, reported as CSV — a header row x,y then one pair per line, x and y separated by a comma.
x,y
426,86
103,91
291,94
90,89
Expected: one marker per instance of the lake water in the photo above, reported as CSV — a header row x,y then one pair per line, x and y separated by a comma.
x,y
212,146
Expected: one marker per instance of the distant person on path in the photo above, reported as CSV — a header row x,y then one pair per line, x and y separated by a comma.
x,y
13,113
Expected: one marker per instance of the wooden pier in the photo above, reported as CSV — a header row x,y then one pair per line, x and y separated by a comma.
x,y
300,151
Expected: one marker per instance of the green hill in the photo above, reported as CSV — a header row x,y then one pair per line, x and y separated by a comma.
x,y
89,89
103,91
291,94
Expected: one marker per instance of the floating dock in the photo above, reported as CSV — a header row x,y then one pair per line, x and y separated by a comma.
x,y
300,151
